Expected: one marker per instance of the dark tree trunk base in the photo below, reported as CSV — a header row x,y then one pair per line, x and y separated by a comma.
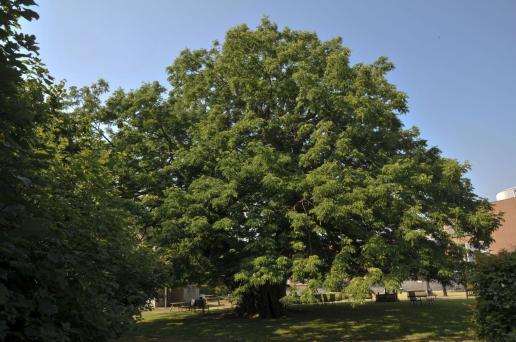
x,y
263,302
445,292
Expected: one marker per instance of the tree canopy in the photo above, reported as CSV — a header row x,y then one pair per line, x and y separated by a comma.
x,y
273,158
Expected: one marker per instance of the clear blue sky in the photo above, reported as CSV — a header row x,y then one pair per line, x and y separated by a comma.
x,y
455,59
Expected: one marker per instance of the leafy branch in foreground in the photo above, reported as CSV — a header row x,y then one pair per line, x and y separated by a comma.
x,y
70,267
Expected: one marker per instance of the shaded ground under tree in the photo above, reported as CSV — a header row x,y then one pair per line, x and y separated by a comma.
x,y
442,320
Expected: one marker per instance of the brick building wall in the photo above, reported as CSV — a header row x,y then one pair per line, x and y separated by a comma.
x,y
505,236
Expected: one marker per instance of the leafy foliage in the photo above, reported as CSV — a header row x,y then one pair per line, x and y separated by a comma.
x,y
69,269
359,288
278,159
272,157
495,282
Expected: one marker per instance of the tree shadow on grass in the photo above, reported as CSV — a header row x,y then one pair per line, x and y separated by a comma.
x,y
444,320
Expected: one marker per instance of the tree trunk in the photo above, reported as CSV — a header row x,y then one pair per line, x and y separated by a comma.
x,y
445,292
263,301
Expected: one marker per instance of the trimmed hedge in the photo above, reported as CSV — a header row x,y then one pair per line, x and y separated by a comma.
x,y
495,282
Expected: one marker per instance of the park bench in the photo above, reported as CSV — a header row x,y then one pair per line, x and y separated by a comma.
x,y
386,297
470,292
325,298
212,299
176,305
415,296
194,304
328,298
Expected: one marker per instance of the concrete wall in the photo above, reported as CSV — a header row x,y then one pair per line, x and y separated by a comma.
x,y
420,285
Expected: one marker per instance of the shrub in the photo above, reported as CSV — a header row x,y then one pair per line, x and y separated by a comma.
x,y
309,296
290,298
495,283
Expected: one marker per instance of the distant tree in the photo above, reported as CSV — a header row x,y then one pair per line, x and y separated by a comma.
x,y
443,263
274,158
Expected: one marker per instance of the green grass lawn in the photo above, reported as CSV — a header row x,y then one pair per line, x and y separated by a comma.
x,y
443,320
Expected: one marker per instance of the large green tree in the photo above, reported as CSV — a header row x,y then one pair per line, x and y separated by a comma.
x,y
297,158
274,158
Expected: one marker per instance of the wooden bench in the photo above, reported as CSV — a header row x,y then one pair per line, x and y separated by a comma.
x,y
386,297
470,292
325,298
176,305
199,304
415,296
332,297
191,305
212,298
